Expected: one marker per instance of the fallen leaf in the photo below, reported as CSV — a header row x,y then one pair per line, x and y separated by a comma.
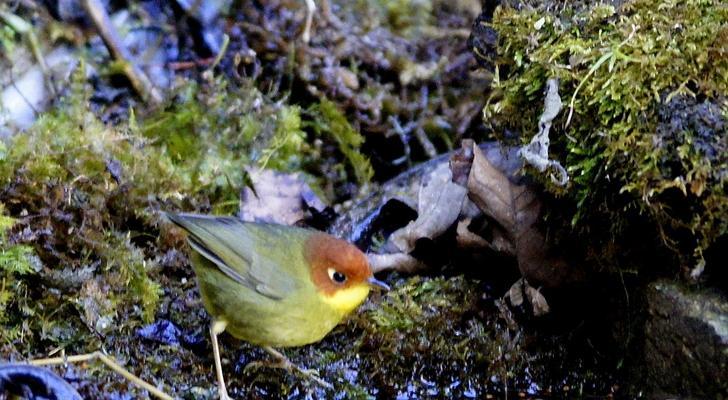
x,y
467,238
278,198
438,206
514,206
537,300
515,293
397,261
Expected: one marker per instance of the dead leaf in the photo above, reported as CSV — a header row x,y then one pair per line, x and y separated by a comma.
x,y
97,310
467,238
461,162
514,205
438,206
515,293
538,301
278,198
398,262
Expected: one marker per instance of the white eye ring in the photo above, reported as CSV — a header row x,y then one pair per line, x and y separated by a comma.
x,y
336,276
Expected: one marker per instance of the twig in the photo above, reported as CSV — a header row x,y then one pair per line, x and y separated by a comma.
x,y
310,9
223,50
19,25
109,363
329,17
180,65
425,142
139,81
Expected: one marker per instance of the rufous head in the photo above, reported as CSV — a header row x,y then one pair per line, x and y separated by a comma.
x,y
339,270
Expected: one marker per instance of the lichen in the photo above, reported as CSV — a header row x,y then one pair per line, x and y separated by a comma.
x,y
621,72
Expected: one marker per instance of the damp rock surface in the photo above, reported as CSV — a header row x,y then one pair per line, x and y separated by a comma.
x,y
686,341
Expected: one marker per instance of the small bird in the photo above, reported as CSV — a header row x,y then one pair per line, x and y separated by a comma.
x,y
273,285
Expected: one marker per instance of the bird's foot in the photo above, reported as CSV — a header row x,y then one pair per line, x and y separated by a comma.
x,y
311,374
258,364
223,394
283,363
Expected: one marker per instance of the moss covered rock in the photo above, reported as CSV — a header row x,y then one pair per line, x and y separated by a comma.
x,y
644,121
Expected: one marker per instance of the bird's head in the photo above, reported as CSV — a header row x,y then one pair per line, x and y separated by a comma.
x,y
340,272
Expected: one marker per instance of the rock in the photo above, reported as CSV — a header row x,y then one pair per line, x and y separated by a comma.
x,y
686,341
23,98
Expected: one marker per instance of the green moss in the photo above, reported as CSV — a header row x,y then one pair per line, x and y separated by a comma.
x,y
425,330
7,39
15,261
90,196
68,173
620,70
214,130
329,121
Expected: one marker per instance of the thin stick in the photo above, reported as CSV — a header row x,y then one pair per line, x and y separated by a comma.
x,y
24,28
283,362
310,9
109,363
139,81
223,50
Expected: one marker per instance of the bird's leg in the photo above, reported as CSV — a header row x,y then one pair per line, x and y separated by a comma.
x,y
282,361
216,328
310,9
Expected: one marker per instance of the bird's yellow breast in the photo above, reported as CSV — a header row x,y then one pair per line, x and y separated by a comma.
x,y
346,300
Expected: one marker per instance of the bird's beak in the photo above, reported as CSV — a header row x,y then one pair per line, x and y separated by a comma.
x,y
376,284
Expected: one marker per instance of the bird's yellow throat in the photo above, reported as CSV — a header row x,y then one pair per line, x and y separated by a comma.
x,y
346,300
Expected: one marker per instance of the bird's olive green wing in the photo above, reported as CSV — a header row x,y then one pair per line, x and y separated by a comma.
x,y
234,247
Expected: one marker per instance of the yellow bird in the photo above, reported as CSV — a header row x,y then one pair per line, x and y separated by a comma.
x,y
274,285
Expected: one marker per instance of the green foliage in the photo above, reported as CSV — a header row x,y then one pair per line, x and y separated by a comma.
x,y
90,196
15,260
287,143
426,325
7,39
213,131
633,77
330,121
79,179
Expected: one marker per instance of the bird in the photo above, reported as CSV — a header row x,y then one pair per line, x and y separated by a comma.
x,y
273,285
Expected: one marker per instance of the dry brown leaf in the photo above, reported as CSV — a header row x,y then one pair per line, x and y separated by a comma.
x,y
516,208
466,238
535,298
515,293
438,206
397,262
538,301
461,161
280,198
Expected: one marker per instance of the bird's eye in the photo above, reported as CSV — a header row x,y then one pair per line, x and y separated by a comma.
x,y
336,276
